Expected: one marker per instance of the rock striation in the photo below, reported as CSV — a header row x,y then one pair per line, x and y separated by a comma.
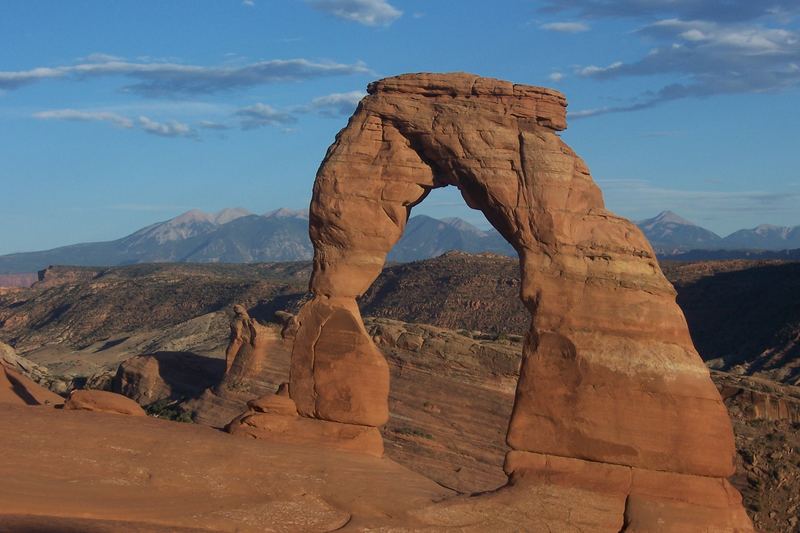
x,y
609,374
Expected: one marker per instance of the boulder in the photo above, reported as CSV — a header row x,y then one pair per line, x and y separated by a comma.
x,y
103,402
149,378
275,418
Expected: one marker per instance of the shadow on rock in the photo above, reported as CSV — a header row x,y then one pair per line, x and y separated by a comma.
x,y
167,376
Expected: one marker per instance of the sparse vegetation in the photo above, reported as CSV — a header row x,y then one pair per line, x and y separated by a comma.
x,y
168,410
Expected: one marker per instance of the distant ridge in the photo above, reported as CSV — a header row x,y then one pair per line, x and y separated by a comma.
x,y
672,235
235,235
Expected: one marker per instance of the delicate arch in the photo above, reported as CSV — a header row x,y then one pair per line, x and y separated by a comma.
x,y
609,371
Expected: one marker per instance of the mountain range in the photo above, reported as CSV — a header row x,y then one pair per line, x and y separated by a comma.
x,y
238,236
235,235
672,235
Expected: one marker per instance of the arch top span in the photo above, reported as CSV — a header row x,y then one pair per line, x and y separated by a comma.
x,y
547,107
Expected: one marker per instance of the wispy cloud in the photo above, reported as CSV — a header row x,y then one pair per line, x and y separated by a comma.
x,y
719,10
555,76
366,12
709,47
85,116
172,128
165,79
211,125
260,115
336,104
208,117
565,27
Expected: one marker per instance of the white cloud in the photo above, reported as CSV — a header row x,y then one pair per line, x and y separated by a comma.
x,y
593,70
707,47
726,11
171,128
367,12
86,116
336,104
100,58
211,125
249,3
555,77
158,79
565,27
750,40
259,115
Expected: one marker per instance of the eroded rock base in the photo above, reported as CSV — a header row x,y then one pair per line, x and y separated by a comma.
x,y
275,418
650,500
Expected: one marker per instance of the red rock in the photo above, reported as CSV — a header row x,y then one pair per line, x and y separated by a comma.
x,y
241,334
652,501
250,344
675,503
103,402
275,404
17,389
274,418
609,372
337,372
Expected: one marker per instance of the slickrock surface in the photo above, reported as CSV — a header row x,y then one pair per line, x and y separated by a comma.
x,y
10,359
74,477
16,387
102,402
609,373
100,472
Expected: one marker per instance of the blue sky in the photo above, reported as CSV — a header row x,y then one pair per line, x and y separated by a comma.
x,y
116,114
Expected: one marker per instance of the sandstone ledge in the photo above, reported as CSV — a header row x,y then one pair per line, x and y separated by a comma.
x,y
547,106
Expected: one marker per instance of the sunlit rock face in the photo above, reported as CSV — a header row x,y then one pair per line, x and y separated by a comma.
x,y
609,373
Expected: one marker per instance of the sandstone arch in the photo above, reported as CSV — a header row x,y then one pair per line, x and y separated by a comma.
x,y
609,371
